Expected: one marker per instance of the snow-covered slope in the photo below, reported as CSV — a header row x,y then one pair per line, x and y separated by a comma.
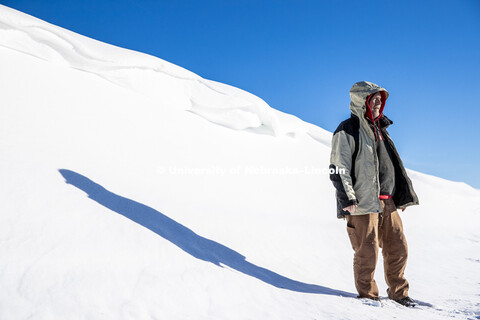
x,y
167,84
123,199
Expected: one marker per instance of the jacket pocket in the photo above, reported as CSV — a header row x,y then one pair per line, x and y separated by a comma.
x,y
353,237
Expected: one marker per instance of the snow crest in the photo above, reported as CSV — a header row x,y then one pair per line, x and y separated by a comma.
x,y
153,77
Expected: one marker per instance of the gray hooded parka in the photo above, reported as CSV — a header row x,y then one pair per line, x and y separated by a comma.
x,y
354,151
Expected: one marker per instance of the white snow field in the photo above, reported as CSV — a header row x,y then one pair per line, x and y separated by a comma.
x,y
134,189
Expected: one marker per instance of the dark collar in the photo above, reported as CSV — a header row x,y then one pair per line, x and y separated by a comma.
x,y
384,120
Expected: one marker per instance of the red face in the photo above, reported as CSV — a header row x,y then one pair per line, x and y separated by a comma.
x,y
375,103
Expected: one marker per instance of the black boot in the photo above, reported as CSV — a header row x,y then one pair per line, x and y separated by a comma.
x,y
407,302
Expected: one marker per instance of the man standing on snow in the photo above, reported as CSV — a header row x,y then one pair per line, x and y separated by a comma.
x,y
371,183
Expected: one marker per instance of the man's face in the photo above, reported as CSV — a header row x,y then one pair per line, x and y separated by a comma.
x,y
375,103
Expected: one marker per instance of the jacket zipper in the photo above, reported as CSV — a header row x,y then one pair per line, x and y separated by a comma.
x,y
375,159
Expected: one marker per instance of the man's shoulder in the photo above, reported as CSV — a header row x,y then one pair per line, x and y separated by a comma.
x,y
350,125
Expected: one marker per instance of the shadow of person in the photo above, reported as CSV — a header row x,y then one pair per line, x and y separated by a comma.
x,y
187,240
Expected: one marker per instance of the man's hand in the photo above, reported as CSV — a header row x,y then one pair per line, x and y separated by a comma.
x,y
351,208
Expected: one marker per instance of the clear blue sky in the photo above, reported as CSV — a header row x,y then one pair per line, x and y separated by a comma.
x,y
302,57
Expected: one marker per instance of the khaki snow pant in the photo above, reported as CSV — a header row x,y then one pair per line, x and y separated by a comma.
x,y
369,231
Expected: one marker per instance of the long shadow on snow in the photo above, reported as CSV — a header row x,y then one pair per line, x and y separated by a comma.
x,y
187,240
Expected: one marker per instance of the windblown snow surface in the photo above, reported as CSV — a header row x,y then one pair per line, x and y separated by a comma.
x,y
134,189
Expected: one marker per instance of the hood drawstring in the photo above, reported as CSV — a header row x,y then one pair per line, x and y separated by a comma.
x,y
375,131
378,127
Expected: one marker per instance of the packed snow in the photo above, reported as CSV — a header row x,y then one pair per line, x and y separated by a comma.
x,y
135,189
